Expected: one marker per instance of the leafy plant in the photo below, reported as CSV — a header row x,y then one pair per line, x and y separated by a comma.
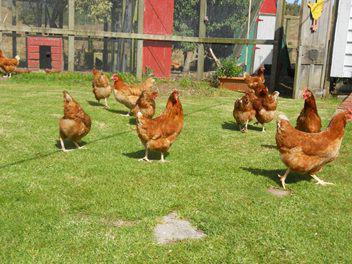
x,y
229,68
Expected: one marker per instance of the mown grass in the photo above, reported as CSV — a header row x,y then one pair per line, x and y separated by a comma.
x,y
62,207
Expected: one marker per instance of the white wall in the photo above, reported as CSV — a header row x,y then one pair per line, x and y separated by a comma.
x,y
342,52
265,30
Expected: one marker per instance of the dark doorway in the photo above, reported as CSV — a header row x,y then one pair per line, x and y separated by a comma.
x,y
45,57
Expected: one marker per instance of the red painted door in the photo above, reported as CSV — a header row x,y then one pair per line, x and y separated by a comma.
x,y
158,19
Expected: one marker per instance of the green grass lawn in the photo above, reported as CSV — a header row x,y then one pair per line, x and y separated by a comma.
x,y
63,207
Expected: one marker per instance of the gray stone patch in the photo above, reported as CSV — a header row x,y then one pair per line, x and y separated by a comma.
x,y
279,192
172,229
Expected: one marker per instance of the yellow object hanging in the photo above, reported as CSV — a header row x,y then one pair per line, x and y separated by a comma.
x,y
316,10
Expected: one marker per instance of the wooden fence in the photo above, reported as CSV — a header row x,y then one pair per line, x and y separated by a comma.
x,y
71,32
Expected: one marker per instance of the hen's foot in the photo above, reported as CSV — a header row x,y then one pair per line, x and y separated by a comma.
x,y
78,146
66,150
128,114
321,182
324,183
145,159
244,130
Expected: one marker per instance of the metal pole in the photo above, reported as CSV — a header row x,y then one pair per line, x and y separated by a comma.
x,y
202,33
139,57
248,32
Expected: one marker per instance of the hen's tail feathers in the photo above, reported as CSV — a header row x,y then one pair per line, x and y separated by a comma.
x,y
67,96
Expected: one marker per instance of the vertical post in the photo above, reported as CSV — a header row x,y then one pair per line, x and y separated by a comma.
x,y
202,34
327,83
139,57
14,22
248,32
326,61
0,22
275,69
71,38
296,82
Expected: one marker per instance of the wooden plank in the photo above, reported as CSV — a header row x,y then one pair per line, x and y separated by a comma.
x,y
139,56
102,34
71,14
312,75
71,53
71,38
325,85
14,22
275,70
0,22
202,33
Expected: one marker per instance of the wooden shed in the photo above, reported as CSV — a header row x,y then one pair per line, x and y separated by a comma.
x,y
265,29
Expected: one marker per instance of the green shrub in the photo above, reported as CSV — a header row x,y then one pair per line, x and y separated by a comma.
x,y
229,68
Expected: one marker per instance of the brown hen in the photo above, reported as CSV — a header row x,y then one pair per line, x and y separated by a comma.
x,y
128,94
160,133
309,120
243,110
75,123
309,152
8,65
101,86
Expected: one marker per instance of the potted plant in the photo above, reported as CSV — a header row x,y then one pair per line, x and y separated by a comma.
x,y
230,75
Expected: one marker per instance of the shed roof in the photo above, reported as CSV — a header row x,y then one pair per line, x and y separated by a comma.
x,y
268,7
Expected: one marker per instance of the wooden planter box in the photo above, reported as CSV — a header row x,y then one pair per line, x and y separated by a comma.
x,y
234,84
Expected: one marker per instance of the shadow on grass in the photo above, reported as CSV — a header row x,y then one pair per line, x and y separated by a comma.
x,y
152,155
133,121
94,103
202,109
68,145
269,146
273,175
233,126
117,111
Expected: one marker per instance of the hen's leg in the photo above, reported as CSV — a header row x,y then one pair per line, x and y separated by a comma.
x,y
106,103
244,128
321,182
315,27
63,145
77,145
283,178
162,157
263,130
146,156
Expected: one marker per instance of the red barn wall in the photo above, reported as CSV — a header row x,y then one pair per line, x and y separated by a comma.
x,y
158,19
